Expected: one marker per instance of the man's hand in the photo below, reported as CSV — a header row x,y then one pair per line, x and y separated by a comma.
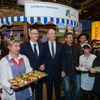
x,y
42,67
63,74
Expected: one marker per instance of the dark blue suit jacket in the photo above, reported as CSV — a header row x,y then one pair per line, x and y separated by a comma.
x,y
54,66
26,49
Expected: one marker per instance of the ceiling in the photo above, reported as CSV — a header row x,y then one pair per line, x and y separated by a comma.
x,y
88,9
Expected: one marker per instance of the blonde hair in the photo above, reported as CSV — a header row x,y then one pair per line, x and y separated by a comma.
x,y
12,41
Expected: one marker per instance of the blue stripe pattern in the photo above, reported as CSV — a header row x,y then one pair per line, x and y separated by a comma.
x,y
25,19
52,19
12,19
71,22
18,18
39,19
32,20
67,21
77,24
57,20
63,21
7,21
45,20
74,23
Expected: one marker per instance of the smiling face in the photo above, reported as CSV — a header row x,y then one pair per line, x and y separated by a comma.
x,y
51,35
69,39
83,39
87,51
15,48
34,35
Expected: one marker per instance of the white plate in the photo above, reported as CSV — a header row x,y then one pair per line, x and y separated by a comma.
x,y
80,69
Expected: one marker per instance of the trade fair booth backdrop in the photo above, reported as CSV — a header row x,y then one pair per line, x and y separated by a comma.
x,y
64,17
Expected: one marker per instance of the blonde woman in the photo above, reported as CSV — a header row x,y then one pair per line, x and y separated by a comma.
x,y
12,65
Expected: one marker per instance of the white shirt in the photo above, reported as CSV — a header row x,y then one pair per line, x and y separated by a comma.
x,y
6,74
50,45
37,47
16,59
87,81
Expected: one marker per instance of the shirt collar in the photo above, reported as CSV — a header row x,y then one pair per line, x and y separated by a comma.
x,y
10,57
68,45
88,57
33,42
51,42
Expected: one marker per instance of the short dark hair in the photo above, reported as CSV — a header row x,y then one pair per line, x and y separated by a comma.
x,y
68,33
83,34
50,29
93,41
32,28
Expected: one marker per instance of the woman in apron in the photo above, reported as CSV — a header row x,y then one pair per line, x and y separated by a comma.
x,y
12,65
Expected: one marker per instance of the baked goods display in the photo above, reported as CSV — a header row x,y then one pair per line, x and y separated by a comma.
x,y
27,78
82,68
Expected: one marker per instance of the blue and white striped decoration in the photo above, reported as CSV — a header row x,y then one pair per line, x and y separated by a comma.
x,y
32,20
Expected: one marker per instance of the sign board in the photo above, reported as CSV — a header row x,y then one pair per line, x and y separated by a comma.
x,y
48,9
96,30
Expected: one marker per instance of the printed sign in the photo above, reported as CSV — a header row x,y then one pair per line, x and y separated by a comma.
x,y
96,30
48,9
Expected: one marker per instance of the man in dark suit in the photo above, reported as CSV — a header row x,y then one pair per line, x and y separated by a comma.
x,y
53,58
34,51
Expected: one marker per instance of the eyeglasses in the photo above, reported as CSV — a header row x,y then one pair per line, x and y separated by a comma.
x,y
34,33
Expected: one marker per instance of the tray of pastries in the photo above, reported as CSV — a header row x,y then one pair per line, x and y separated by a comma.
x,y
27,78
82,68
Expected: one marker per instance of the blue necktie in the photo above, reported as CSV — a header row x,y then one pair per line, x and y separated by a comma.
x,y
35,51
52,50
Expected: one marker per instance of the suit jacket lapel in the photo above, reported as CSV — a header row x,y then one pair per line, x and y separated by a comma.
x,y
30,49
57,48
47,45
40,48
